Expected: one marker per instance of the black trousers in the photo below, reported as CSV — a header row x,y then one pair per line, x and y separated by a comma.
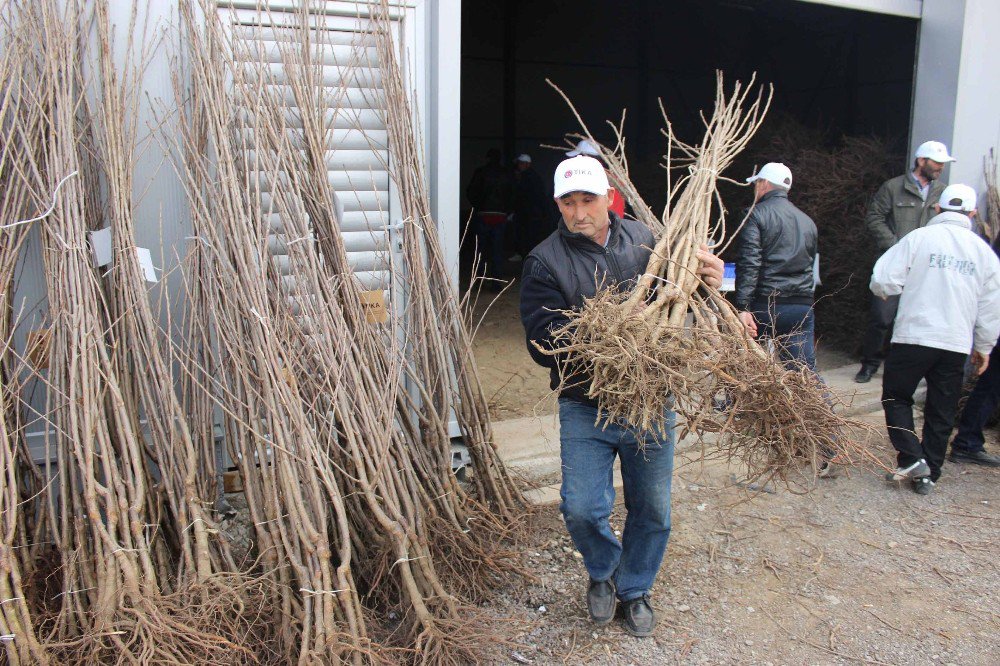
x,y
880,318
905,366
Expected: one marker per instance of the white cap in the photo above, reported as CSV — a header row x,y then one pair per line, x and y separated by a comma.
x,y
584,148
524,157
580,174
958,197
933,150
775,173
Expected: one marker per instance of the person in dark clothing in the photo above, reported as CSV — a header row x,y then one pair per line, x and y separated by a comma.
x,y
531,207
969,445
775,274
592,248
490,192
900,205
774,268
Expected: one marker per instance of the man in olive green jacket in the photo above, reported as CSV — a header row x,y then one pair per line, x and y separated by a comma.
x,y
900,205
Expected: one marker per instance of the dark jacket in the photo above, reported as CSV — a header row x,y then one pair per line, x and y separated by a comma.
x,y
777,248
897,209
566,268
531,203
491,189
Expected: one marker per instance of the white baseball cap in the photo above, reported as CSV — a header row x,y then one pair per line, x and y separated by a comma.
x,y
934,150
584,148
959,198
524,157
775,173
580,174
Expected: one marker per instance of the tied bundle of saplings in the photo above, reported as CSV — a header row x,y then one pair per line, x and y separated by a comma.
x,y
671,342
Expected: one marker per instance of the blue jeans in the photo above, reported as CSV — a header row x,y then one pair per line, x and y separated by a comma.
x,y
588,495
979,408
795,325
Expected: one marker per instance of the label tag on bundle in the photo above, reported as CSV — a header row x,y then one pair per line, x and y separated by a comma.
x,y
728,278
146,264
100,246
374,305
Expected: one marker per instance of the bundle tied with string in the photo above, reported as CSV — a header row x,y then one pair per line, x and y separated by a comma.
x,y
669,341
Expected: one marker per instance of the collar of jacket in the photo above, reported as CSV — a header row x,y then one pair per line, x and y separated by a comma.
x,y
584,243
951,217
774,194
911,186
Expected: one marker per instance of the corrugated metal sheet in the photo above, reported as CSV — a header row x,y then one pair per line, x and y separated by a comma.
x,y
357,141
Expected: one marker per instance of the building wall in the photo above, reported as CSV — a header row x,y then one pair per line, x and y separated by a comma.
x,y
956,83
977,120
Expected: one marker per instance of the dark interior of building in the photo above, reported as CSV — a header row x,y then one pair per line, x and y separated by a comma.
x,y
846,72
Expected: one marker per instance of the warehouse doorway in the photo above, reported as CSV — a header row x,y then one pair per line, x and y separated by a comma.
x,y
841,71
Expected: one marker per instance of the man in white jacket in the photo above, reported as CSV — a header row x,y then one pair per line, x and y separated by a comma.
x,y
948,280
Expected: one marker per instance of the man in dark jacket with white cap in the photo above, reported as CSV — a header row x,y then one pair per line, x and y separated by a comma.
x,y
592,248
775,267
900,205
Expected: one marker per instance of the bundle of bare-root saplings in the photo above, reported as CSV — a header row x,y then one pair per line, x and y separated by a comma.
x,y
673,342
365,547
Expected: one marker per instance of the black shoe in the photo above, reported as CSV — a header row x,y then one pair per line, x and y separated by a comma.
x,y
974,457
923,485
865,374
601,601
639,617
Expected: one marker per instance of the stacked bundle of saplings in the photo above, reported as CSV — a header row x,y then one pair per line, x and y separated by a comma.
x,y
989,211
356,512
112,553
22,523
642,356
120,561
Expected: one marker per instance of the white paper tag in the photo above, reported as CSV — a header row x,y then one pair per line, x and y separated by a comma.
x,y
100,246
146,264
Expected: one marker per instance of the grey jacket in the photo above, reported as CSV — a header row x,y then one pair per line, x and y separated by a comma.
x,y
897,209
777,248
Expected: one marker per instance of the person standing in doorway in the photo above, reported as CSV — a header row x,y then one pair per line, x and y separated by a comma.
x,y
530,206
490,193
593,247
947,280
900,205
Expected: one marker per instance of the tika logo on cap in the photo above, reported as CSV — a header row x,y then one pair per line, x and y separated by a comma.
x,y
578,172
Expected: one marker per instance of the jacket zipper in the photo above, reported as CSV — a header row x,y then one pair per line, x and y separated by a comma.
x,y
613,263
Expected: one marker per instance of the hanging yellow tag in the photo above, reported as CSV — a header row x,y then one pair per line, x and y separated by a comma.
x,y
374,304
